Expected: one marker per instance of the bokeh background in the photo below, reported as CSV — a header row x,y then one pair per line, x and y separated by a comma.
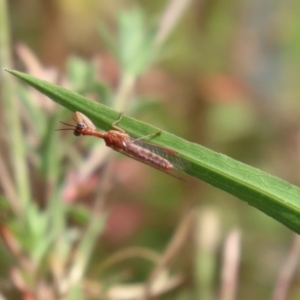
x,y
227,77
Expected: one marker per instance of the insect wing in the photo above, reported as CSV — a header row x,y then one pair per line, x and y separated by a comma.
x,y
81,118
151,165
169,154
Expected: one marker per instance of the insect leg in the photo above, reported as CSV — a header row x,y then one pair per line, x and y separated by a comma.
x,y
114,124
149,136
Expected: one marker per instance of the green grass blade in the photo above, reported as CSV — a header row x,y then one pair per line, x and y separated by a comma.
x,y
9,112
273,196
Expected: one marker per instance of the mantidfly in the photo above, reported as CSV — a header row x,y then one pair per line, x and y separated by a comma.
x,y
163,159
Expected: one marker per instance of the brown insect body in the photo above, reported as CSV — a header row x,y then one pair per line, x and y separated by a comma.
x,y
146,156
123,143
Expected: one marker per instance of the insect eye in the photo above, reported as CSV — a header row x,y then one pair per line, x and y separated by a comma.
x,y
80,125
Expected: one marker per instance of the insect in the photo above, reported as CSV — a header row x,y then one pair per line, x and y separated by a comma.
x,y
163,159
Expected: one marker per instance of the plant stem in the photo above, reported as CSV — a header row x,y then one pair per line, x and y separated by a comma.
x,y
10,114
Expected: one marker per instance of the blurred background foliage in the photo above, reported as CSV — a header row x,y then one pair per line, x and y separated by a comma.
x,y
227,77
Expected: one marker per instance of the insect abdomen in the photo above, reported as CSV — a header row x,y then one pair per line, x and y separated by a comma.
x,y
148,157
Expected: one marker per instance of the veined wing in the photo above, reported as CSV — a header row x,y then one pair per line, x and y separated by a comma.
x,y
169,154
137,158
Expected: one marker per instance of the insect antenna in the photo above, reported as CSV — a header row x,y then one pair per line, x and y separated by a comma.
x,y
72,127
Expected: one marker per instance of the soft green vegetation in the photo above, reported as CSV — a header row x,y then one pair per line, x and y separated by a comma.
x,y
79,222
275,197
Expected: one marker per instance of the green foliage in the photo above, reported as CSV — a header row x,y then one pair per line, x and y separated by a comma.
x,y
135,48
136,43
54,244
271,195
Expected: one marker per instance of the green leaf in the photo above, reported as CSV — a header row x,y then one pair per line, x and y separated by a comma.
x,y
80,72
136,42
275,197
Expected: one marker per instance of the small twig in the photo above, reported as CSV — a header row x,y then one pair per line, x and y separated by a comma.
x,y
2,297
96,158
288,270
176,244
124,92
81,254
170,18
206,239
135,291
9,188
133,252
103,190
16,249
9,113
231,261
